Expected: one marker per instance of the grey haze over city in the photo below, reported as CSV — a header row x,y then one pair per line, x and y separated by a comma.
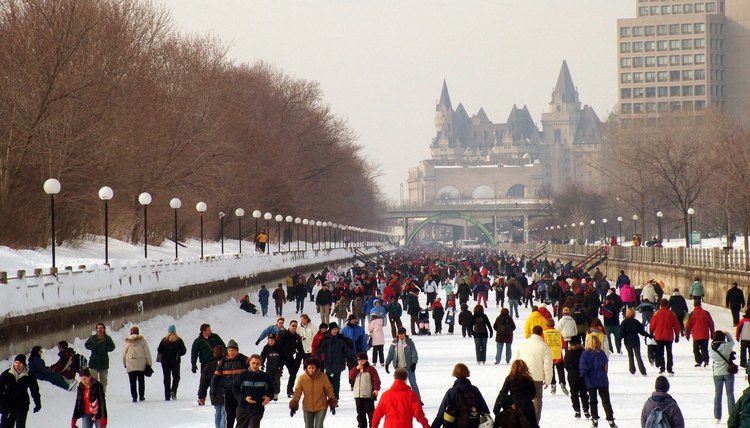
x,y
381,64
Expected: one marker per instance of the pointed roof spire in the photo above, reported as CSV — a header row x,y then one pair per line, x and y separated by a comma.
x,y
445,99
565,90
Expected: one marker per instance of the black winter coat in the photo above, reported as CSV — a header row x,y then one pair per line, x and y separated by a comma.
x,y
171,349
522,391
290,347
735,298
14,391
486,331
96,393
335,351
630,329
506,324
227,374
207,374
571,364
324,297
678,305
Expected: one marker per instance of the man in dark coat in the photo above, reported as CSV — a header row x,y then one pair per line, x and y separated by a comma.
x,y
253,394
292,353
735,301
15,385
227,379
413,311
663,401
263,296
171,348
203,347
100,345
335,350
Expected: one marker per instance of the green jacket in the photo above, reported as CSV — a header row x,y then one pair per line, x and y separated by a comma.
x,y
100,349
735,417
203,349
697,289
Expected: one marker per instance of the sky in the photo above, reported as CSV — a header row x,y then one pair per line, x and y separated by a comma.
x,y
381,64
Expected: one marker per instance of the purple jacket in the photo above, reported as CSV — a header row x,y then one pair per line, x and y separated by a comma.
x,y
593,368
669,408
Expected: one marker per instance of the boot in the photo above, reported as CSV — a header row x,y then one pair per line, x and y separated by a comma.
x,y
553,389
564,389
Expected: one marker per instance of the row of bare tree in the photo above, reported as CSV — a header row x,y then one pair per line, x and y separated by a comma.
x,y
106,92
668,164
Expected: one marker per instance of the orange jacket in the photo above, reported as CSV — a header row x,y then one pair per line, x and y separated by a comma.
x,y
399,405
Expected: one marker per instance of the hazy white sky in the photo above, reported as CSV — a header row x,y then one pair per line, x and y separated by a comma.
x,y
381,64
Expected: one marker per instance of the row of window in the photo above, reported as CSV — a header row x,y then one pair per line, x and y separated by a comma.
x,y
663,45
662,60
662,106
664,76
663,91
664,30
677,9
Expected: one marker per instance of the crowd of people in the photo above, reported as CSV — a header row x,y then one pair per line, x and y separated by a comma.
x,y
577,321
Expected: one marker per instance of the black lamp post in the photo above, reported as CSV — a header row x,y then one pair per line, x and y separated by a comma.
x,y
279,218
268,216
221,230
105,194
659,215
239,212
201,208
604,222
619,221
256,215
297,221
690,212
145,199
175,204
305,222
52,187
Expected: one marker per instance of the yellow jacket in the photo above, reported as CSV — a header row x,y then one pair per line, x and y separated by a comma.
x,y
534,319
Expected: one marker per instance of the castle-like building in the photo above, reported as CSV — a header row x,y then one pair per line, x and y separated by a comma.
x,y
473,158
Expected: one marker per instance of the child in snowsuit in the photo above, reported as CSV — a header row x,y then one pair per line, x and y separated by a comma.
x,y
272,364
366,387
464,318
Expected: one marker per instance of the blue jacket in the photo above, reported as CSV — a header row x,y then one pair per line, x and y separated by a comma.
x,y
357,335
453,396
268,330
380,311
368,304
593,368
263,296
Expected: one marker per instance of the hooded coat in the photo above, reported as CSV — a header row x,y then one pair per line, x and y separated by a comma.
x,y
399,405
669,408
136,355
14,391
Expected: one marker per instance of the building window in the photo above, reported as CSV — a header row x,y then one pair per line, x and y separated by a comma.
x,y
674,29
674,106
663,106
687,59
661,61
674,76
699,43
676,8
699,7
674,91
661,30
687,90
700,58
643,11
710,6
700,74
649,30
687,8
699,28
625,62
661,45
624,47
625,78
625,93
650,92
650,107
662,76
687,43
653,10
626,108
625,32
637,31
700,89
637,107
637,46
637,92
662,91
674,45
687,28
687,74
650,76
700,105
638,62
687,105
650,61
674,60
637,77
665,10
650,46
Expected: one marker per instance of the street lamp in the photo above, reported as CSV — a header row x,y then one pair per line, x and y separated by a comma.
x,y
289,219
279,218
319,224
201,208
619,221
175,204
267,216
256,215
239,212
145,199
659,215
221,229
105,194
635,224
52,187
604,221
690,212
305,222
593,232
297,221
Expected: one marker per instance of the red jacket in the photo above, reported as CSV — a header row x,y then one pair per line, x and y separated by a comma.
x,y
399,405
316,340
740,325
700,324
664,325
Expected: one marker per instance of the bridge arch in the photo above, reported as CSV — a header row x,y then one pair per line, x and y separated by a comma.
x,y
483,192
445,215
449,192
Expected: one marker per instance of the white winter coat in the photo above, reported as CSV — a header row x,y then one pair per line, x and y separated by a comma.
x,y
567,327
307,333
536,354
375,328
136,355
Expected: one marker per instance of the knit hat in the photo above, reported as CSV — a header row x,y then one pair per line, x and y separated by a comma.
x,y
662,384
332,325
21,358
575,340
362,356
271,336
171,329
232,344
351,317
323,326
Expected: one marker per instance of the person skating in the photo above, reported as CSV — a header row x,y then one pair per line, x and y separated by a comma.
x,y
100,345
735,301
171,349
555,342
279,299
537,356
216,397
318,395
631,329
520,386
227,377
366,382
579,393
67,363
463,402
700,326
335,350
203,347
39,369
377,340
593,367
665,328
16,384
722,354
678,305
272,364
742,335
399,405
292,353
91,404
481,330
135,358
263,296
275,329
666,405
253,393
403,354
464,319
504,328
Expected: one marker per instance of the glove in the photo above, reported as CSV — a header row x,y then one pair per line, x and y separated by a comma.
x,y
333,410
676,339
37,408
291,413
73,424
194,368
103,422
413,368
201,401
386,368
257,342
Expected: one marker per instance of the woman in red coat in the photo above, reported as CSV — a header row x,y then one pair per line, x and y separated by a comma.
x,y
399,405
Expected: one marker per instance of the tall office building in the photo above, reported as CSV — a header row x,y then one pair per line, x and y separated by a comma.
x,y
683,55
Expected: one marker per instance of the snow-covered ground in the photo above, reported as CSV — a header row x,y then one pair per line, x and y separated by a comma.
x,y
691,387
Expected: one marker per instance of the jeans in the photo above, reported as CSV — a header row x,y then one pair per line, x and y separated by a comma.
x,y
508,352
264,309
700,351
300,304
246,419
220,416
413,383
314,419
480,346
171,379
335,379
606,404
727,382
377,353
101,376
664,345
365,409
614,330
634,353
137,377
279,307
513,305
86,422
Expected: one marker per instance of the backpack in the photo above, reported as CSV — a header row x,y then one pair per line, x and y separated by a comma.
x,y
503,328
78,362
479,327
656,418
467,413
